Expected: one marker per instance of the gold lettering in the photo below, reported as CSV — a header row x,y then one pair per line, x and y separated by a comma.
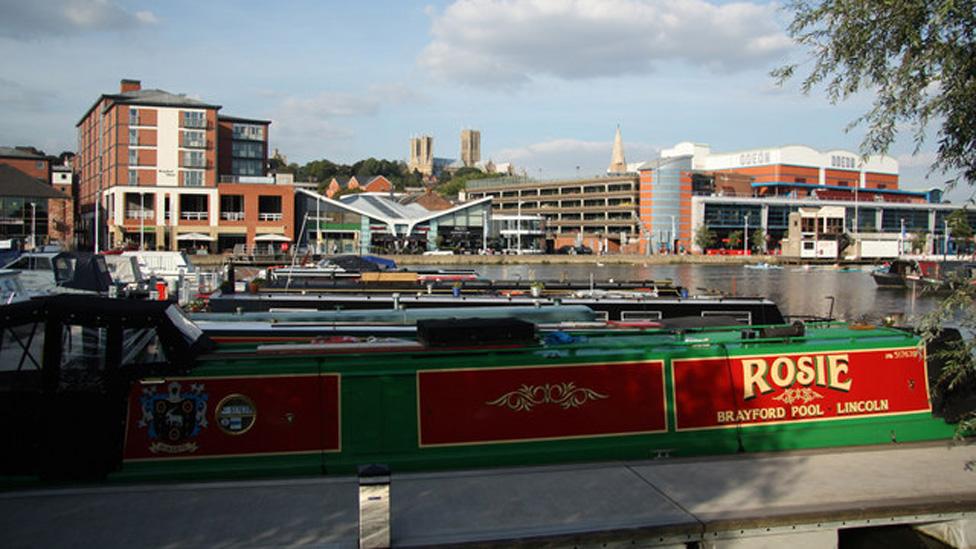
x,y
805,372
821,373
837,365
754,376
785,365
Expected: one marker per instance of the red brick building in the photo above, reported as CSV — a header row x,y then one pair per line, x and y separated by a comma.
x,y
156,163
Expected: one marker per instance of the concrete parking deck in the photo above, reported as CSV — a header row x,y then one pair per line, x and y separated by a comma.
x,y
720,501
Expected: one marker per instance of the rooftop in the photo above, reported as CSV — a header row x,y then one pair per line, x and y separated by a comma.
x,y
14,182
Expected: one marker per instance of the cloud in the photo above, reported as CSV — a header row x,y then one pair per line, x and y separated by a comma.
x,y
510,42
562,156
18,97
303,123
923,159
30,19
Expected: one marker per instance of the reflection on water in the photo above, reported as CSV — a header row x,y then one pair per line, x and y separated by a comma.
x,y
798,290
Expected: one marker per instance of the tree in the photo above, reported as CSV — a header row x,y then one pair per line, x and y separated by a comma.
x,y
757,240
917,58
919,241
959,227
704,237
735,240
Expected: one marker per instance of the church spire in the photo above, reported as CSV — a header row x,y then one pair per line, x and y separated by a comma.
x,y
617,162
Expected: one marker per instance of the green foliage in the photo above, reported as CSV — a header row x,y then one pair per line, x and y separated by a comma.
x,y
919,240
916,57
322,171
959,372
735,240
959,227
459,181
757,240
704,237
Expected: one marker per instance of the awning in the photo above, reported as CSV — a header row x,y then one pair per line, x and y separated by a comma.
x,y
271,238
195,236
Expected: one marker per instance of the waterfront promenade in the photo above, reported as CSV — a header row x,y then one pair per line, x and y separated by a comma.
x,y
800,498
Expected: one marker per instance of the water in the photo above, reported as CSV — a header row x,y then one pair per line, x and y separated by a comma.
x,y
798,290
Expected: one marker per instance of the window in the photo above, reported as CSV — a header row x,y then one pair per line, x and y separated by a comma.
x,y
133,117
247,167
194,159
194,119
194,138
133,157
192,178
246,149
133,137
251,132
133,177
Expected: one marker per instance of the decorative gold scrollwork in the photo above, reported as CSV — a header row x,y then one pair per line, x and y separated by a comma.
x,y
566,395
805,394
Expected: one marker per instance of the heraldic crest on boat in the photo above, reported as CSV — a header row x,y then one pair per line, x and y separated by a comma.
x,y
173,417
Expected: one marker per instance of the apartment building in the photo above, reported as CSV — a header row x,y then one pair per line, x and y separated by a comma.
x,y
154,167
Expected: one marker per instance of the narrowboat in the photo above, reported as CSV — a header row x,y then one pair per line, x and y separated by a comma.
x,y
609,306
134,390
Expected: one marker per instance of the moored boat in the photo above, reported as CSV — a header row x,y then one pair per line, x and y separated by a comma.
x,y
484,392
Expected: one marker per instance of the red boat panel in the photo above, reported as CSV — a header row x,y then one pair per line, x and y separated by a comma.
x,y
769,389
489,405
227,416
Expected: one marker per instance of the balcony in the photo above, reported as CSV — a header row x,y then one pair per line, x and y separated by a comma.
x,y
198,164
253,179
270,217
232,216
194,216
196,123
194,144
140,214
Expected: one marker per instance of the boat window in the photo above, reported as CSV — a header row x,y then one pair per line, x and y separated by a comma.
x,y
83,349
62,268
640,315
742,317
190,331
601,316
10,289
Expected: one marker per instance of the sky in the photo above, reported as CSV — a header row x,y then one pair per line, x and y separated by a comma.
x,y
545,81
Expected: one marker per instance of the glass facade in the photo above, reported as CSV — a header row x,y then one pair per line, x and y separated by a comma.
x,y
666,204
19,220
247,167
247,149
251,132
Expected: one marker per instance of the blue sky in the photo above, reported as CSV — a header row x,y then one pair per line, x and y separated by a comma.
x,y
545,81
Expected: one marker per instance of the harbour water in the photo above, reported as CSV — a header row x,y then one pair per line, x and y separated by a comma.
x,y
797,289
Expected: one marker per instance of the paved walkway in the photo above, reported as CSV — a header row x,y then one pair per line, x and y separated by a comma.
x,y
657,501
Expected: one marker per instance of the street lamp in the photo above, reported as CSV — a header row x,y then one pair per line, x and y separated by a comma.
x,y
945,244
33,225
745,237
674,237
518,228
142,221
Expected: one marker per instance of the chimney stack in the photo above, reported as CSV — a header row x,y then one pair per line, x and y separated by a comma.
x,y
130,85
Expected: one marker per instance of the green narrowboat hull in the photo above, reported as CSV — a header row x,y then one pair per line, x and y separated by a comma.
x,y
598,396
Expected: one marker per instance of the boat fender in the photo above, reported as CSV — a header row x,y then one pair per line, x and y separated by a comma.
x,y
562,338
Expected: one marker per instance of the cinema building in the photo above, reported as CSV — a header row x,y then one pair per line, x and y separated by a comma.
x,y
690,186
